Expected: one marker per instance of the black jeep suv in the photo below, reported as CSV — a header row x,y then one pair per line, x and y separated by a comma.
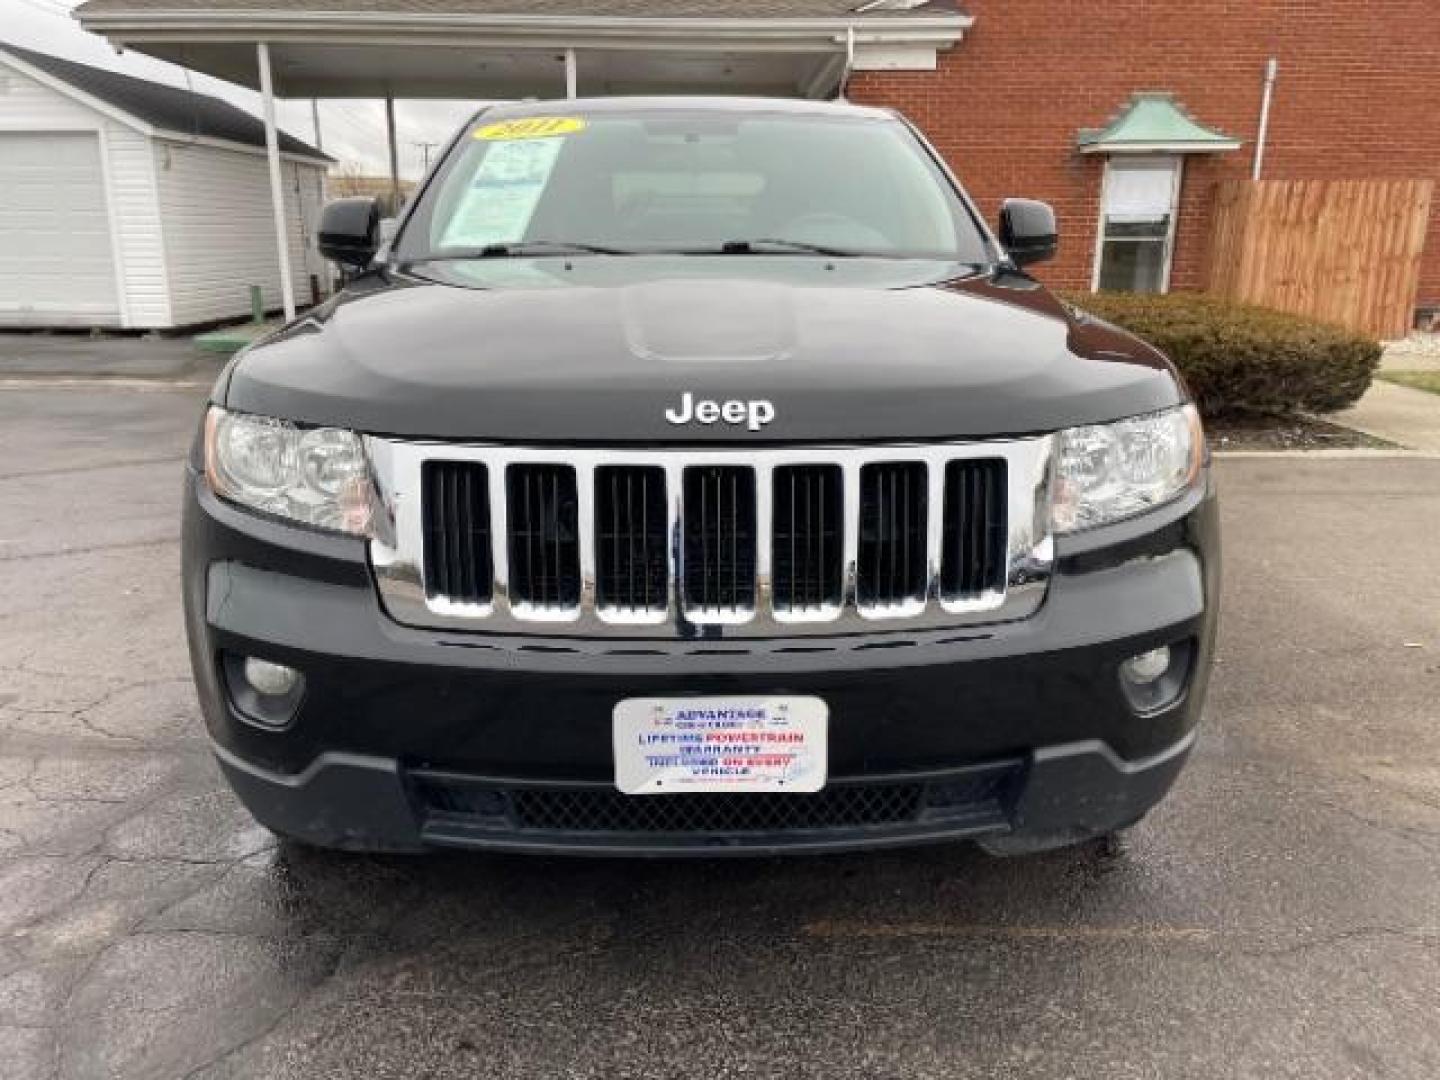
x,y
698,476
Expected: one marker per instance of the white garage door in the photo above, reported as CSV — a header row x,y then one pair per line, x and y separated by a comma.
x,y
55,259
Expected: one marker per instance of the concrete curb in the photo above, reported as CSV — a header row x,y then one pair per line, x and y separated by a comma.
x,y
1355,453
1397,414
98,382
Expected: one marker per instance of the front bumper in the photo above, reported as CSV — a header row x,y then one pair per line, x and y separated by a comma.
x,y
362,803
408,738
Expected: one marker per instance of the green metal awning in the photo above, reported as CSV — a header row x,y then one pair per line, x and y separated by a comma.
x,y
1154,123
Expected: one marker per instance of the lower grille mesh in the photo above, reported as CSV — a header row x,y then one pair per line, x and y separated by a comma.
x,y
981,793
610,811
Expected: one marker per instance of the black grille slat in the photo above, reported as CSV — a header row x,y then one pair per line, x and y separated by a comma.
x,y
631,563
719,538
544,542
458,561
891,550
976,529
806,543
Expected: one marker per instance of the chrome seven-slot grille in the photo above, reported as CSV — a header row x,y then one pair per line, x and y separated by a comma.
x,y
715,529
706,544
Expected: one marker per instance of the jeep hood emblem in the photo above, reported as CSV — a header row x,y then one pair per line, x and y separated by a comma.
x,y
753,414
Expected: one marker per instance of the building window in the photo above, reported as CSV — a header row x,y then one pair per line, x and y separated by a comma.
x,y
1138,203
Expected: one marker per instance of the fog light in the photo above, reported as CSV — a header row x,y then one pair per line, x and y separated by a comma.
x,y
271,680
1144,669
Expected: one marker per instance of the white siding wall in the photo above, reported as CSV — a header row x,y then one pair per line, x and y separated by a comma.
x,y
133,203
26,104
220,232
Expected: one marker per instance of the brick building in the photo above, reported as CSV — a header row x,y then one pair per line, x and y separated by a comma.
x,y
1007,89
1357,96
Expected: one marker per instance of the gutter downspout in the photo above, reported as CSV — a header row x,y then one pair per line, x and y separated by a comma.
x,y
1272,70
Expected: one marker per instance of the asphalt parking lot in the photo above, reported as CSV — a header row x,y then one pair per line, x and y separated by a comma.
x,y
1279,916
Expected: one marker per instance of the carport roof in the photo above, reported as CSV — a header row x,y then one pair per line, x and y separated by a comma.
x,y
515,48
168,109
497,49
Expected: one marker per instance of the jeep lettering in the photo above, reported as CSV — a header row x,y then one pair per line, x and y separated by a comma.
x,y
753,414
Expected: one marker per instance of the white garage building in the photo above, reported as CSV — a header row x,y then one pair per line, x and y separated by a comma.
x,y
128,204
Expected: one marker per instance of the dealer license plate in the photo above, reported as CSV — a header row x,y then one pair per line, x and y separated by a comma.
x,y
720,744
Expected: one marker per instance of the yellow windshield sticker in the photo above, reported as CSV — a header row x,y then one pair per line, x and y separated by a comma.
x,y
532,127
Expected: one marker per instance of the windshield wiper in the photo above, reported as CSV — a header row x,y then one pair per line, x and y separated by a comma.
x,y
520,249
757,246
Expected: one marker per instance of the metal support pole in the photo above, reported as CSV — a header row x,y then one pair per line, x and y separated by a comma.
x,y
277,192
394,154
315,119
572,75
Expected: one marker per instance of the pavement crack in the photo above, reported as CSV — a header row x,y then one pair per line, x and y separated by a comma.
x,y
1422,838
193,931
303,998
65,553
68,470
1423,935
80,713
23,781
834,929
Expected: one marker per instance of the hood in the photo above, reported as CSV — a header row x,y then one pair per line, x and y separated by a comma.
x,y
781,360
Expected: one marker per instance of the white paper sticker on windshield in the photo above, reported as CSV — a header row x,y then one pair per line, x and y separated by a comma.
x,y
501,199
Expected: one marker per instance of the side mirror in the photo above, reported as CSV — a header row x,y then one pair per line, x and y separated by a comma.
x,y
350,232
1028,230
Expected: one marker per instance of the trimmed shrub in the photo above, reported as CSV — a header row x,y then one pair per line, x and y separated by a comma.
x,y
1239,359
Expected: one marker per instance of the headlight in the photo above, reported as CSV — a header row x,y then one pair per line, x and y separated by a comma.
x,y
1105,472
318,476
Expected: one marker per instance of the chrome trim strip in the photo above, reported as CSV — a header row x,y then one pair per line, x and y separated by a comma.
x,y
586,523
850,589
764,536
499,531
934,531
397,553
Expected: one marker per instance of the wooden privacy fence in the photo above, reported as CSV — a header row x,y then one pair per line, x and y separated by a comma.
x,y
1344,251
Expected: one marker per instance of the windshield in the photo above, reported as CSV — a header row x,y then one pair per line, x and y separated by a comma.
x,y
691,182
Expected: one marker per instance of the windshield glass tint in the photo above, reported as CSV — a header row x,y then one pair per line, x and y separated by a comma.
x,y
693,182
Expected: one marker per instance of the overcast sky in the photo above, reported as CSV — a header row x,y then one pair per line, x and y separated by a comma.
x,y
353,131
